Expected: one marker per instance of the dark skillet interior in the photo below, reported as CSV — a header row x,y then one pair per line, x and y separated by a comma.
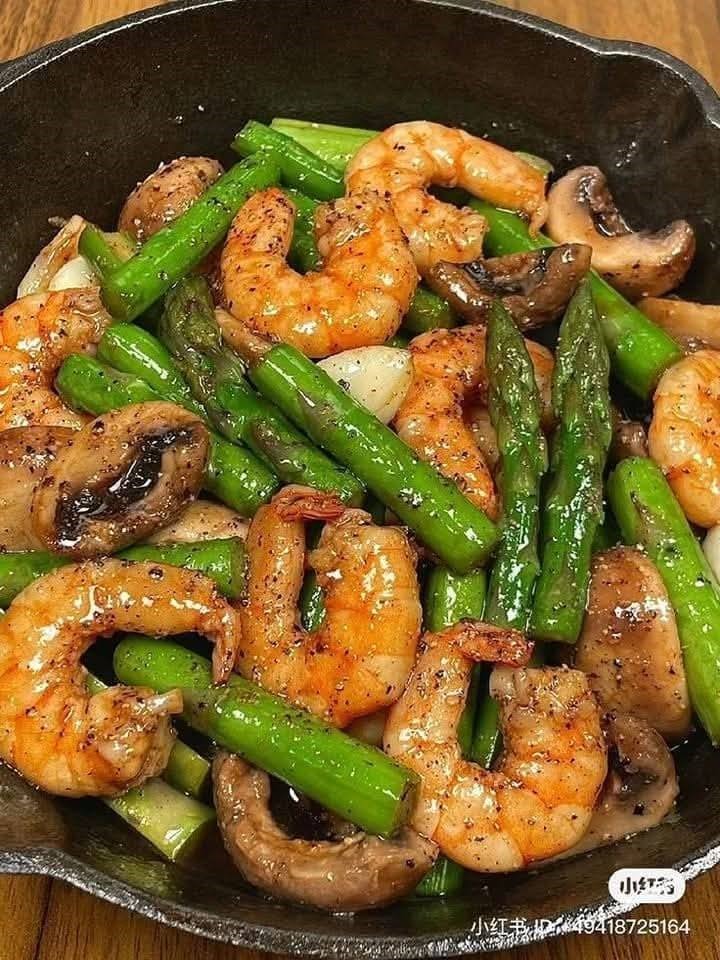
x,y
84,120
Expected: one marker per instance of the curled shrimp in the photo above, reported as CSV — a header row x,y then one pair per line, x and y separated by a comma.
x,y
539,799
37,333
51,730
684,435
358,660
357,299
404,160
448,373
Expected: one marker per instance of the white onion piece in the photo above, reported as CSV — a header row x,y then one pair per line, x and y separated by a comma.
x,y
711,548
377,377
77,272
53,256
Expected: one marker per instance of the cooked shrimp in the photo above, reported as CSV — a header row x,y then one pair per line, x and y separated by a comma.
x,y
51,730
404,160
36,334
684,436
540,798
448,372
359,296
166,193
358,660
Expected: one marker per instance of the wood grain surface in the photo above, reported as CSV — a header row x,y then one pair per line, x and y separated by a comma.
x,y
43,920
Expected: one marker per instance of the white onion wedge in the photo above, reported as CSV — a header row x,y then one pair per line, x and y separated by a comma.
x,y
377,377
54,255
77,272
711,549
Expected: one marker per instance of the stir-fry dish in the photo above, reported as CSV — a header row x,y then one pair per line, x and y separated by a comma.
x,y
386,464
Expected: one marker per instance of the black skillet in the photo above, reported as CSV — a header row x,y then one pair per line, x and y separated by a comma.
x,y
85,118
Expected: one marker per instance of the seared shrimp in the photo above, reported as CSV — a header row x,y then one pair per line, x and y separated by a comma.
x,y
36,334
166,193
448,372
358,660
404,160
51,730
684,436
359,296
540,798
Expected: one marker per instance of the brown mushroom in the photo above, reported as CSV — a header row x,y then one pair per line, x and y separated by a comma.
x,y
25,454
638,263
535,286
640,789
356,872
165,194
629,646
694,325
120,478
202,520
629,438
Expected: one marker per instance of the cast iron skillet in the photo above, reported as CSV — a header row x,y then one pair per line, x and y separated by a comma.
x,y
85,118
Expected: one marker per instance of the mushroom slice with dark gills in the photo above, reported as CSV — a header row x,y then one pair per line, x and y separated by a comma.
x,y
535,285
638,263
629,647
641,786
25,454
120,478
354,872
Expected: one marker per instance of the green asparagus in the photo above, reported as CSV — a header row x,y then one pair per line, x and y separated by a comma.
x,y
573,508
459,533
19,569
298,167
178,248
515,409
217,378
223,561
649,515
351,779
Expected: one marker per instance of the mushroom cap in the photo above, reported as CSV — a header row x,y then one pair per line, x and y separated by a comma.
x,y
535,285
356,872
629,646
581,209
123,476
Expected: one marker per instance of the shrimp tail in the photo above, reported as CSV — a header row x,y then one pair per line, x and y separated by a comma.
x,y
304,503
484,642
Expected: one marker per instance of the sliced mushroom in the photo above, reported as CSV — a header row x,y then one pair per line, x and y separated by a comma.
x,y
640,789
629,646
356,872
166,193
640,263
693,325
535,286
25,454
629,438
119,479
202,520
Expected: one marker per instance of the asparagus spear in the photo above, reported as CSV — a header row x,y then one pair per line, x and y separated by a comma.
x,y
649,515
457,531
354,780
514,405
175,250
233,474
639,350
573,507
298,166
450,598
217,378
17,570
96,248
223,561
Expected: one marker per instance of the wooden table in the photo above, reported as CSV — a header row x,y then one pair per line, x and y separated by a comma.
x,y
44,920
